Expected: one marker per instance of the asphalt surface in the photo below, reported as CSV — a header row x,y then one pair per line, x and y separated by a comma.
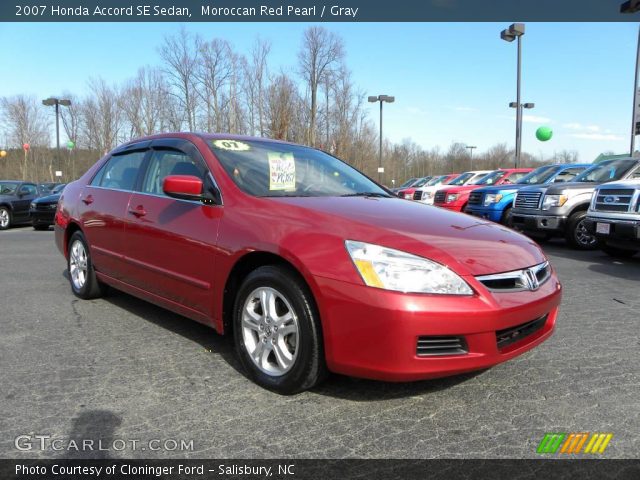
x,y
121,369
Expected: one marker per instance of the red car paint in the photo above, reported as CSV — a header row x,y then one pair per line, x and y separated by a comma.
x,y
463,191
179,255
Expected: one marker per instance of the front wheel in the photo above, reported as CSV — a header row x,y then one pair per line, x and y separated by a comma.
x,y
277,331
5,218
82,275
616,252
577,234
507,218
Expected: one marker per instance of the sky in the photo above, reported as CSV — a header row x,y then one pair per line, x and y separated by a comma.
x,y
452,81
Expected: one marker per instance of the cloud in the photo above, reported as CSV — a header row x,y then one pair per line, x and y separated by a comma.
x,y
579,126
464,109
598,136
416,111
535,119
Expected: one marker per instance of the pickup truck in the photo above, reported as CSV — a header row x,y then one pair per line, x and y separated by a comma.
x,y
614,217
407,192
456,198
494,203
427,193
561,209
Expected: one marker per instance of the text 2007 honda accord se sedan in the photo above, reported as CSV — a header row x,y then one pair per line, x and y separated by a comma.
x,y
311,265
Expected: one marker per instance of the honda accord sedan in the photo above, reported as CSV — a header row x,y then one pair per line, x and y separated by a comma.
x,y
309,264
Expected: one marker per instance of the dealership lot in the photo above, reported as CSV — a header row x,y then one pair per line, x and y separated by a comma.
x,y
119,368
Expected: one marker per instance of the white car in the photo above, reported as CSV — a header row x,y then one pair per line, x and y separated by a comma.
x,y
427,193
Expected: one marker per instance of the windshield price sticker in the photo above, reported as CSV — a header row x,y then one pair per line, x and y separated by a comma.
x,y
233,145
282,171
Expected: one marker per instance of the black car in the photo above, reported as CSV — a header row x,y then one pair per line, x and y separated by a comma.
x,y
47,188
15,198
43,209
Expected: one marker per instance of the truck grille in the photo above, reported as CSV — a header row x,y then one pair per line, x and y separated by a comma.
x,y
440,196
417,195
438,346
475,198
506,337
528,199
613,200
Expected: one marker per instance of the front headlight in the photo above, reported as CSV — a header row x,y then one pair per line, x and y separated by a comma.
x,y
490,198
452,197
391,269
408,196
553,201
33,205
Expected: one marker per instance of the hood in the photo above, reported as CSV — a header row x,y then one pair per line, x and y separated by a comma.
x,y
459,188
510,188
48,199
469,245
573,187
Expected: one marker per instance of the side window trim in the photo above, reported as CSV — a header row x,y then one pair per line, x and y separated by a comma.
x,y
144,147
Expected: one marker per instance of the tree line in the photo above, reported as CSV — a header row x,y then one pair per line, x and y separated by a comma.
x,y
206,85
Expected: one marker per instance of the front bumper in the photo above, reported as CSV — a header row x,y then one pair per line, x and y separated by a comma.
x,y
374,333
533,222
42,217
450,206
623,233
487,213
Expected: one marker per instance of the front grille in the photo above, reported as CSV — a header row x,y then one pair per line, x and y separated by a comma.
x,y
47,207
527,199
439,346
517,280
613,200
417,195
511,335
401,194
440,196
475,198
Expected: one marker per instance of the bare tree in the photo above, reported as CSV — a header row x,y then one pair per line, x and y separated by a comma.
x,y
102,116
181,64
255,77
282,100
321,52
143,102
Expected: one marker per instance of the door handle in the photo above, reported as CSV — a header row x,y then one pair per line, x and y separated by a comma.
x,y
88,200
139,211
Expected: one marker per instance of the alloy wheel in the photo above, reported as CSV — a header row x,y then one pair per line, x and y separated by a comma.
x,y
78,264
4,218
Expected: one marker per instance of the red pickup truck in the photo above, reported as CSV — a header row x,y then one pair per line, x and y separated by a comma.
x,y
457,197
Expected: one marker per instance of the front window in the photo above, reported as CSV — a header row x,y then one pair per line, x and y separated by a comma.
x,y
408,183
436,180
461,179
491,178
8,188
270,169
539,175
606,171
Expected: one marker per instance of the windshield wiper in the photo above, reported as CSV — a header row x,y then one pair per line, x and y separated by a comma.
x,y
367,194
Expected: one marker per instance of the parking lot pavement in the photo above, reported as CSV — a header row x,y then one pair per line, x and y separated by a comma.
x,y
119,368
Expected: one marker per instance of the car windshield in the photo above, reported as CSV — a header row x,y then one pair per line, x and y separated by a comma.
x,y
461,179
539,175
408,183
492,178
606,171
271,169
58,188
421,183
436,181
8,188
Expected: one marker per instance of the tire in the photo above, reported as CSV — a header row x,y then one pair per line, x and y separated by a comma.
x,y
577,235
616,252
287,363
5,218
40,227
507,219
82,276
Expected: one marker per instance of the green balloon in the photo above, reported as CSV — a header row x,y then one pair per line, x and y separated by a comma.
x,y
70,145
544,133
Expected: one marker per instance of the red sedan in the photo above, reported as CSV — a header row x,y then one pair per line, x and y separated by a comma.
x,y
457,197
312,266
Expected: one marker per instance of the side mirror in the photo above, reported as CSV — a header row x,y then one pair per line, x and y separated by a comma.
x,y
185,187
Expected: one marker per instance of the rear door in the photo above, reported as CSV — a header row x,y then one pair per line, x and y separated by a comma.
x,y
171,243
103,209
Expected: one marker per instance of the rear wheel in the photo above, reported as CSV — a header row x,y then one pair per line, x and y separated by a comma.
x,y
277,331
618,252
5,218
577,234
82,275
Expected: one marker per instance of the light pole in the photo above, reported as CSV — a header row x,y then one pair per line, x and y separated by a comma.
x,y
49,102
633,6
381,99
516,31
470,148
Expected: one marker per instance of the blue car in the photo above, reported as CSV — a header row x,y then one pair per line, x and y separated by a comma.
x,y
494,203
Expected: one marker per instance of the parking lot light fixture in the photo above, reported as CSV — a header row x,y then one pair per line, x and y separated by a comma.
x,y
381,99
50,102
